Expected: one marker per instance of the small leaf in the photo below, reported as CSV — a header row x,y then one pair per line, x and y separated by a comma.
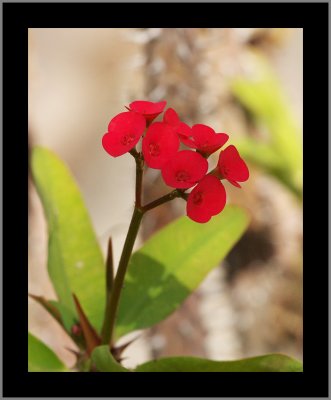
x,y
41,358
104,360
266,363
49,307
68,317
75,261
58,311
172,264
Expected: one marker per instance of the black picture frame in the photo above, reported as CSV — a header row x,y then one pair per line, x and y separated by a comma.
x,y
17,18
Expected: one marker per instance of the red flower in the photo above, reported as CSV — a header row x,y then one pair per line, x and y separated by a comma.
x,y
207,199
159,144
204,139
232,167
124,132
148,109
171,118
184,169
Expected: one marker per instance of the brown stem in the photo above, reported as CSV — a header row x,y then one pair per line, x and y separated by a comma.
x,y
164,199
119,279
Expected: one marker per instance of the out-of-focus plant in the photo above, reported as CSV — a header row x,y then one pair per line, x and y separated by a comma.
x,y
263,97
96,308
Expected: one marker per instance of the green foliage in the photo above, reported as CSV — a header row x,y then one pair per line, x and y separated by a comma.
x,y
172,264
263,97
41,358
105,362
65,317
267,363
68,318
75,262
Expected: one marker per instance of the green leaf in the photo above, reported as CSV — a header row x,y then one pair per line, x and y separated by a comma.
x,y
263,96
267,363
58,311
75,262
172,264
41,358
266,157
68,317
105,362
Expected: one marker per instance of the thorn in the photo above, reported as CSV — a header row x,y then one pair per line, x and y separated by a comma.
x,y
75,352
91,337
117,351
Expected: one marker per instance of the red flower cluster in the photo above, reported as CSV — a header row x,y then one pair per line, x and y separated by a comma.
x,y
180,169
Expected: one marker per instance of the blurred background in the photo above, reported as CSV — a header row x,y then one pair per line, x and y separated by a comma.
x,y
243,81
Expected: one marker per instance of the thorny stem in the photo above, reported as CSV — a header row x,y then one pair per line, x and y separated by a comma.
x,y
114,292
119,279
139,211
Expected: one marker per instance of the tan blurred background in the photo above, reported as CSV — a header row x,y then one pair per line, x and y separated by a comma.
x,y
78,80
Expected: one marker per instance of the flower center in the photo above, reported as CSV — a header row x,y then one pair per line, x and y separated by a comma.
x,y
197,198
182,176
127,139
154,149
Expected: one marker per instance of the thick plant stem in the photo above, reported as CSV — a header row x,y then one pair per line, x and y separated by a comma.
x,y
119,279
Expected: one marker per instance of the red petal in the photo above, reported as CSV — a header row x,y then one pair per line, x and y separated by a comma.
x,y
184,169
114,147
207,199
159,144
184,130
124,132
188,142
148,109
127,122
185,135
215,143
232,166
202,133
206,139
171,117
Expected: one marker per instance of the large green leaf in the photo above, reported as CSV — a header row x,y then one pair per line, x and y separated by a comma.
x,y
172,264
75,261
267,363
263,96
41,358
105,362
270,160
